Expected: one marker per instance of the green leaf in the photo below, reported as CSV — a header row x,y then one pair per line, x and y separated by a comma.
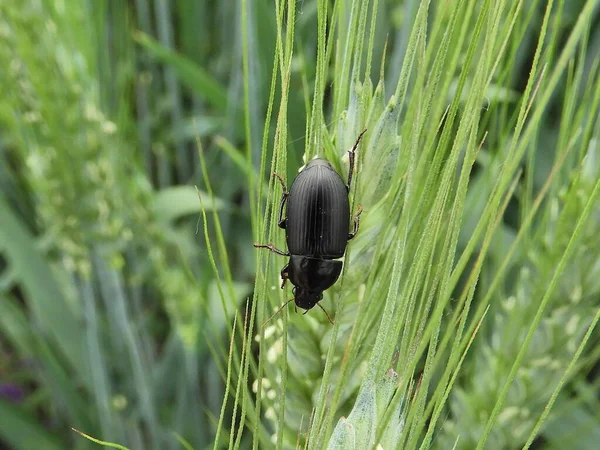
x,y
21,430
56,318
178,201
98,441
15,327
343,437
573,426
185,444
215,309
364,416
193,76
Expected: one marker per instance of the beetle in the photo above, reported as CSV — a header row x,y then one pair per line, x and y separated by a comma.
x,y
317,229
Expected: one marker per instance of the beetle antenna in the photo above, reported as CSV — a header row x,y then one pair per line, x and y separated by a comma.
x,y
319,305
278,311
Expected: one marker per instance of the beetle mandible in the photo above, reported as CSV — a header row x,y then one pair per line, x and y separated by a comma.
x,y
317,229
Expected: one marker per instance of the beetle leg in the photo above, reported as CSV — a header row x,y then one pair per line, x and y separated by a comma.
x,y
284,196
356,223
319,305
272,248
351,157
277,312
282,222
284,275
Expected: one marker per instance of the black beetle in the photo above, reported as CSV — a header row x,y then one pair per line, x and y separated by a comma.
x,y
317,229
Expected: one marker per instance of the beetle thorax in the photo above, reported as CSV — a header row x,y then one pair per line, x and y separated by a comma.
x,y
313,274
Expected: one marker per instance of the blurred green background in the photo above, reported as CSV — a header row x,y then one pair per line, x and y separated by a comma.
x,y
116,316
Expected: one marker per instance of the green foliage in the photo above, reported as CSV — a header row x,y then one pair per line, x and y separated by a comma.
x,y
98,441
466,313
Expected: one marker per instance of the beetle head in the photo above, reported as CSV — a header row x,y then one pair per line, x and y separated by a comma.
x,y
305,299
